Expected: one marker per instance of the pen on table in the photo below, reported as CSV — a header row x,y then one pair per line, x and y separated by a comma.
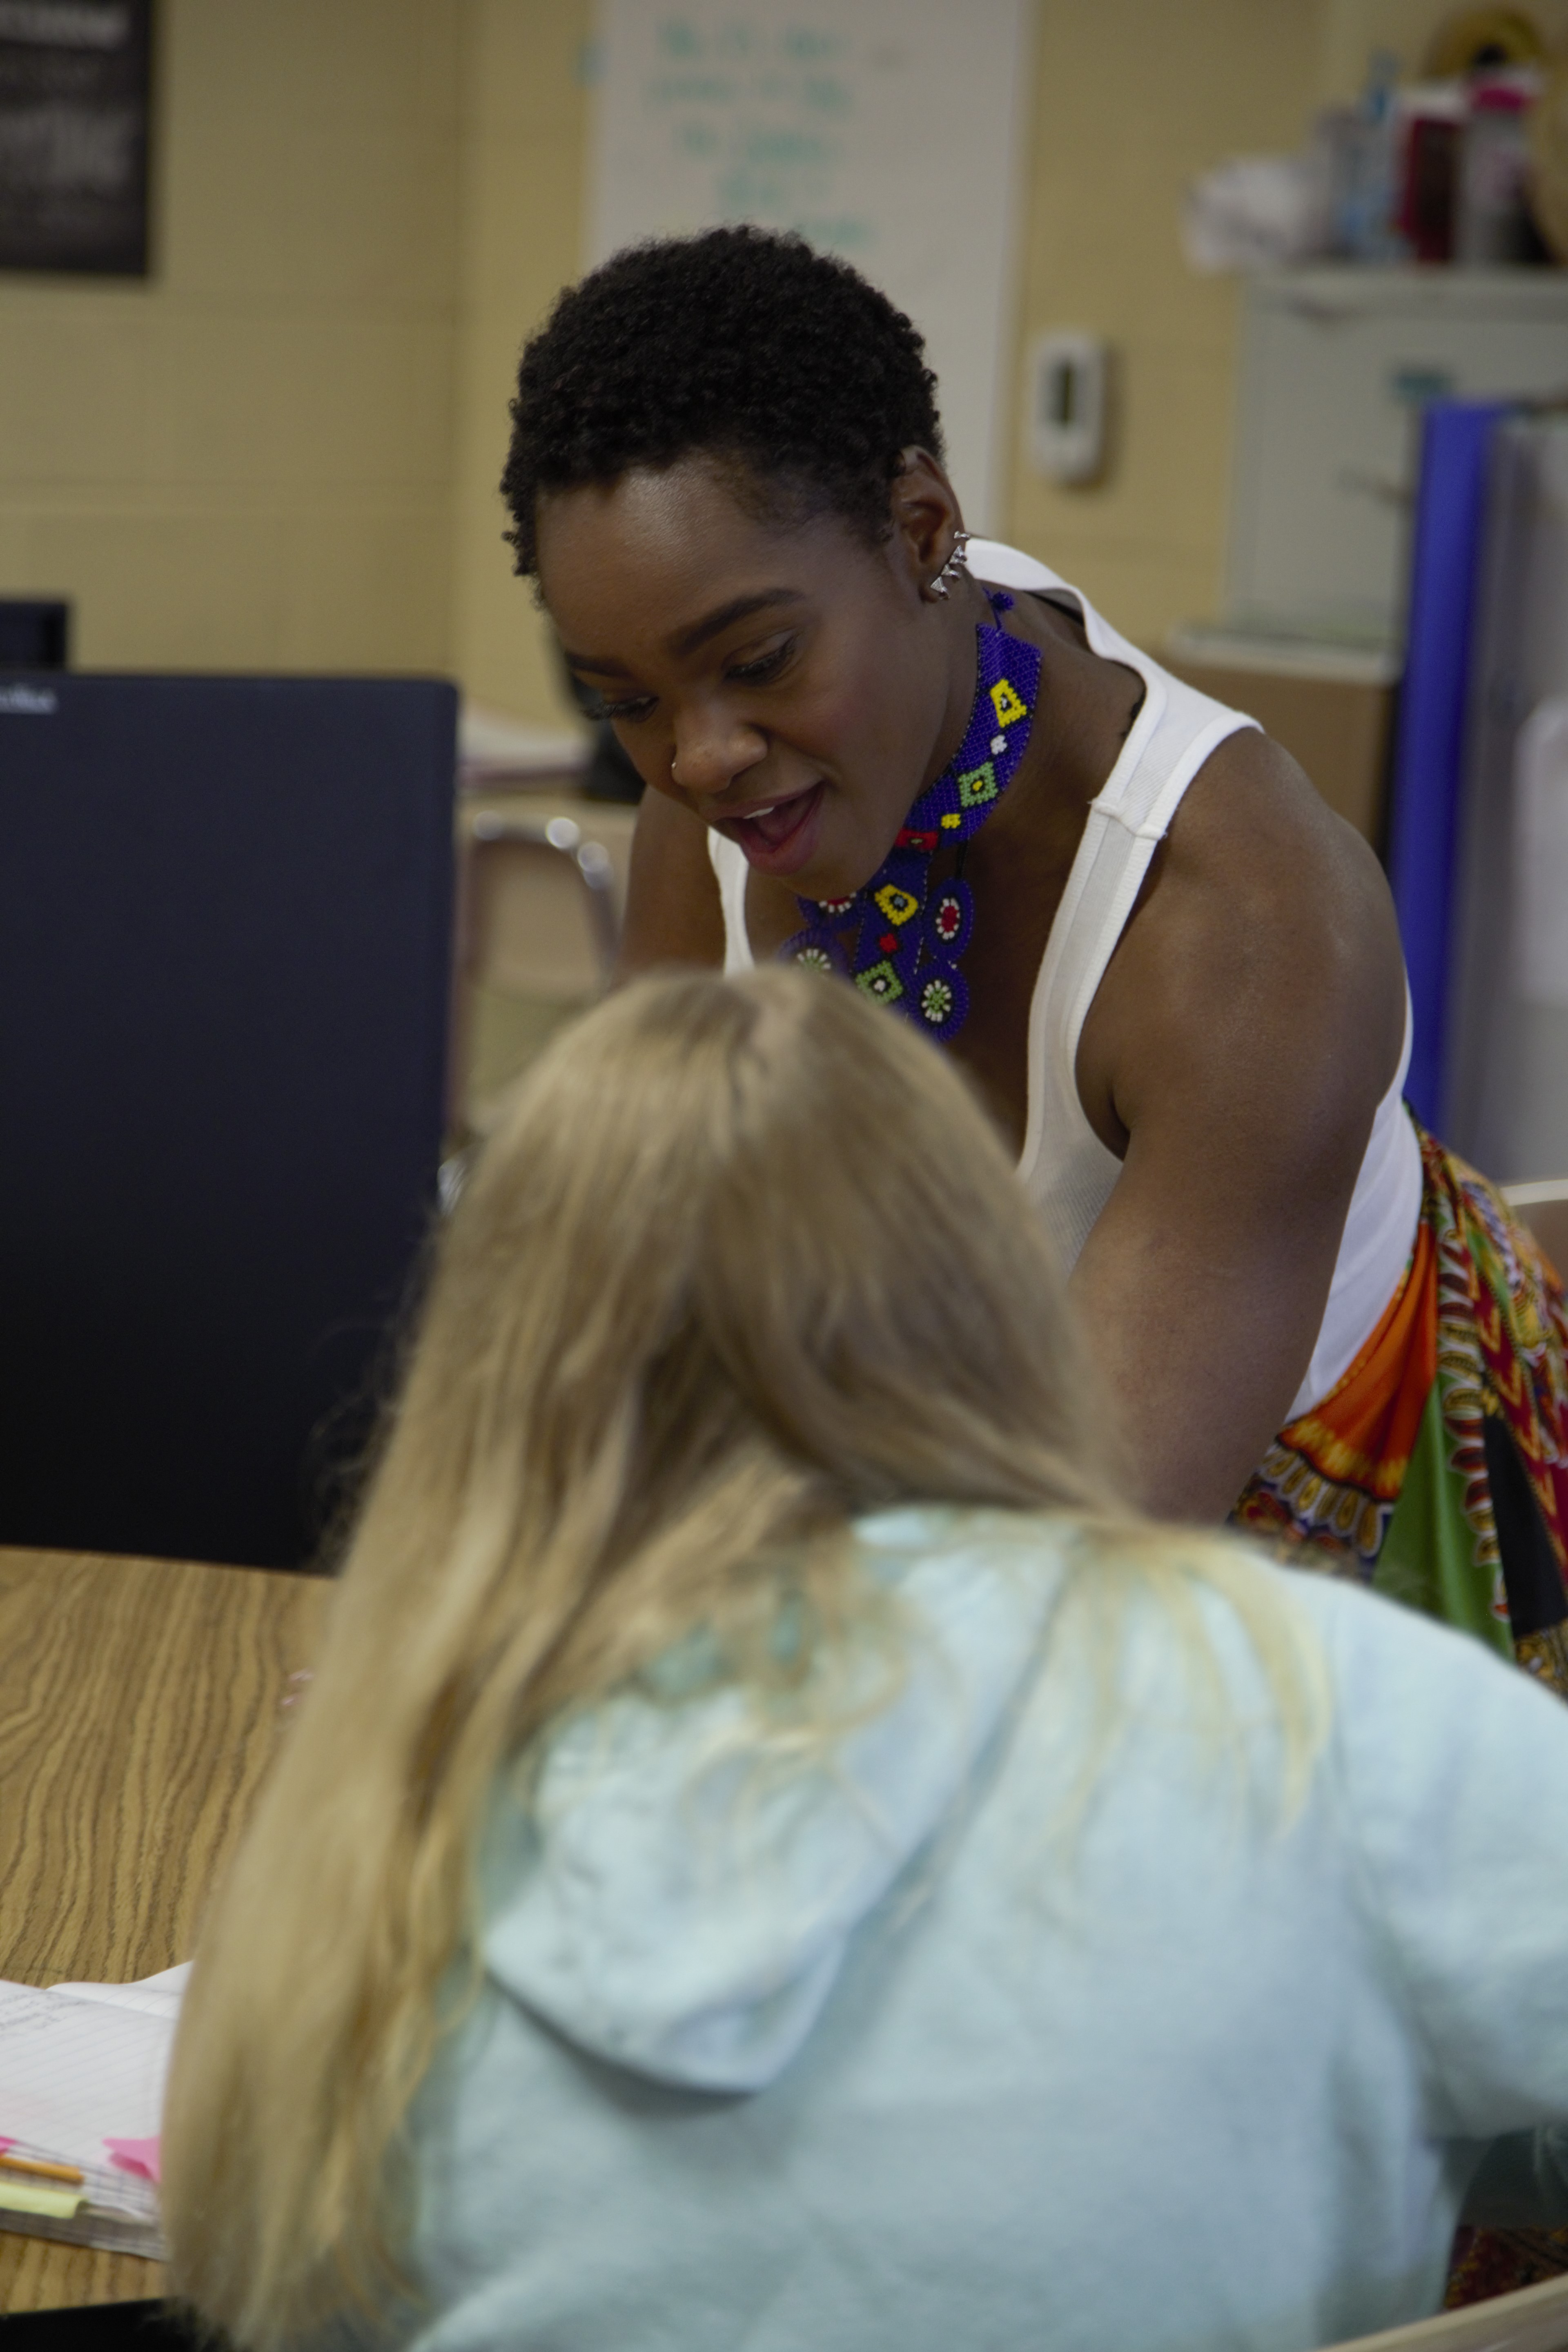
x,y
43,2171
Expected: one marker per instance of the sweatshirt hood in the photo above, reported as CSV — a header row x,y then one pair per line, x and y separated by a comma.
x,y
674,1900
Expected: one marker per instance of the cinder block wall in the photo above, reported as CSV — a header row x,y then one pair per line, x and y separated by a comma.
x,y
246,461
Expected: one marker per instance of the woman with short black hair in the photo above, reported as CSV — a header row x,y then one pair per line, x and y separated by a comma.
x,y
1174,975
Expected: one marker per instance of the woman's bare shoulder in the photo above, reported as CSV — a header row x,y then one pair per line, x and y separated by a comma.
x,y
673,909
1253,828
1267,928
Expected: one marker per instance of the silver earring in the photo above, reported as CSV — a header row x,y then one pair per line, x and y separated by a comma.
x,y
955,565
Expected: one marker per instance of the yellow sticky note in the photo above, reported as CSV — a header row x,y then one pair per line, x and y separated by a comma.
x,y
22,2197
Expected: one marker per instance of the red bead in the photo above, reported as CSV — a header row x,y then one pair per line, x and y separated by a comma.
x,y
888,943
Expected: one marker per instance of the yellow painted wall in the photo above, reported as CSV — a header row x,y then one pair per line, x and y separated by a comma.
x,y
1132,100
525,117
246,462
282,451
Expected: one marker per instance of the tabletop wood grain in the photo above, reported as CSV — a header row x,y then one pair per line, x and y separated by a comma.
x,y
138,1703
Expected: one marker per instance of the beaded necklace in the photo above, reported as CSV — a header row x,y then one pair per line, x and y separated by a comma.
x,y
906,953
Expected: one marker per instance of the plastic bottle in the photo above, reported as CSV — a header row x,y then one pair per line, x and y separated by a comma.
x,y
1491,222
1366,159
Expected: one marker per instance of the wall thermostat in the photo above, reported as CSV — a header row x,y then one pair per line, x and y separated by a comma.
x,y
1067,405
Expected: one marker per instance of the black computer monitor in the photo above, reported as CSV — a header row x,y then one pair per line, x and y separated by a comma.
x,y
35,633
225,913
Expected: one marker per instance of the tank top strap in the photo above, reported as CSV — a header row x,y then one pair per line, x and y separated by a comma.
x,y
1175,731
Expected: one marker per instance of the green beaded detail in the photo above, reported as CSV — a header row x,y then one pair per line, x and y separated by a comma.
x,y
880,980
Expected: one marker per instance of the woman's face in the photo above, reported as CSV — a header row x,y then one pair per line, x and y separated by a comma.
x,y
787,684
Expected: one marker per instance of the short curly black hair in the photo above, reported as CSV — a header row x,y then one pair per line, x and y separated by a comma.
x,y
781,361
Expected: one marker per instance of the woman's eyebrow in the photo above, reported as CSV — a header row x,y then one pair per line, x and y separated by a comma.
x,y
739,608
686,641
600,664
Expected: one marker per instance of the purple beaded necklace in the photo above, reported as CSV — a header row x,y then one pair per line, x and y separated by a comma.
x,y
906,950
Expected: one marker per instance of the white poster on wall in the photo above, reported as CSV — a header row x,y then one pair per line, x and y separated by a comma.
x,y
887,130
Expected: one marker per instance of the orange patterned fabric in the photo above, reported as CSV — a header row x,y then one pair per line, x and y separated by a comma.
x,y
1365,1428
1391,1477
1332,1477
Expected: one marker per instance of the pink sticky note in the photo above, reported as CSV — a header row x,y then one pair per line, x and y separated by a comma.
x,y
7,2143
135,2156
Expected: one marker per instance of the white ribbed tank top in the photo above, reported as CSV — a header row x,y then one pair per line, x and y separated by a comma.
x,y
1065,1168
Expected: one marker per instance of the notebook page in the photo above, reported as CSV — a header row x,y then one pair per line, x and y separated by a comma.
x,y
76,2071
160,1996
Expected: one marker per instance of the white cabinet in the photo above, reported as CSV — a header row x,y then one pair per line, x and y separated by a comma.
x,y
1337,364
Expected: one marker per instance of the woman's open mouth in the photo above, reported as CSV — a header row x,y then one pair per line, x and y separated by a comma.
x,y
779,837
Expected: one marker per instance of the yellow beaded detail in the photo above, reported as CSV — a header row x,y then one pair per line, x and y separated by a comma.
x,y
1006,705
896,904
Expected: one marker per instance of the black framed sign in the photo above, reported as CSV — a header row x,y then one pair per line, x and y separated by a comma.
x,y
74,88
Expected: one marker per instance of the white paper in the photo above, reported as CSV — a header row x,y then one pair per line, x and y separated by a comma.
x,y
1256,212
81,2064
158,1996
1541,856
885,131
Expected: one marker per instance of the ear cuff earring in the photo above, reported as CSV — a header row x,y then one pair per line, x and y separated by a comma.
x,y
955,565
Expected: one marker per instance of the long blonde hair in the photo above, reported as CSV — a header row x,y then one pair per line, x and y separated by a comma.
x,y
745,1260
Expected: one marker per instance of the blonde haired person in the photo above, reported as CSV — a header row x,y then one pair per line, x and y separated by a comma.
x,y
755,1866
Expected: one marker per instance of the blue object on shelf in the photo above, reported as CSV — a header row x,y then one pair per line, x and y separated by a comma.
x,y
1450,519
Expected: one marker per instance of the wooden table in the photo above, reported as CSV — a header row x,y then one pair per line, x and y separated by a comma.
x,y
139,1700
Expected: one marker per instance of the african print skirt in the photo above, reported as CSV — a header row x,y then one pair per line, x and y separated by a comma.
x,y
1436,1471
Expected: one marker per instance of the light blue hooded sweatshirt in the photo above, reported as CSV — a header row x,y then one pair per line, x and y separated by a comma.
x,y
899,2054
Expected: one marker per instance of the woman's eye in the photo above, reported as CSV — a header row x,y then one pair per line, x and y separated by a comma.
x,y
627,713
766,665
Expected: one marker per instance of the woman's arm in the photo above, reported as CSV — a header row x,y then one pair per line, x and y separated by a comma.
x,y
673,911
1249,1024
